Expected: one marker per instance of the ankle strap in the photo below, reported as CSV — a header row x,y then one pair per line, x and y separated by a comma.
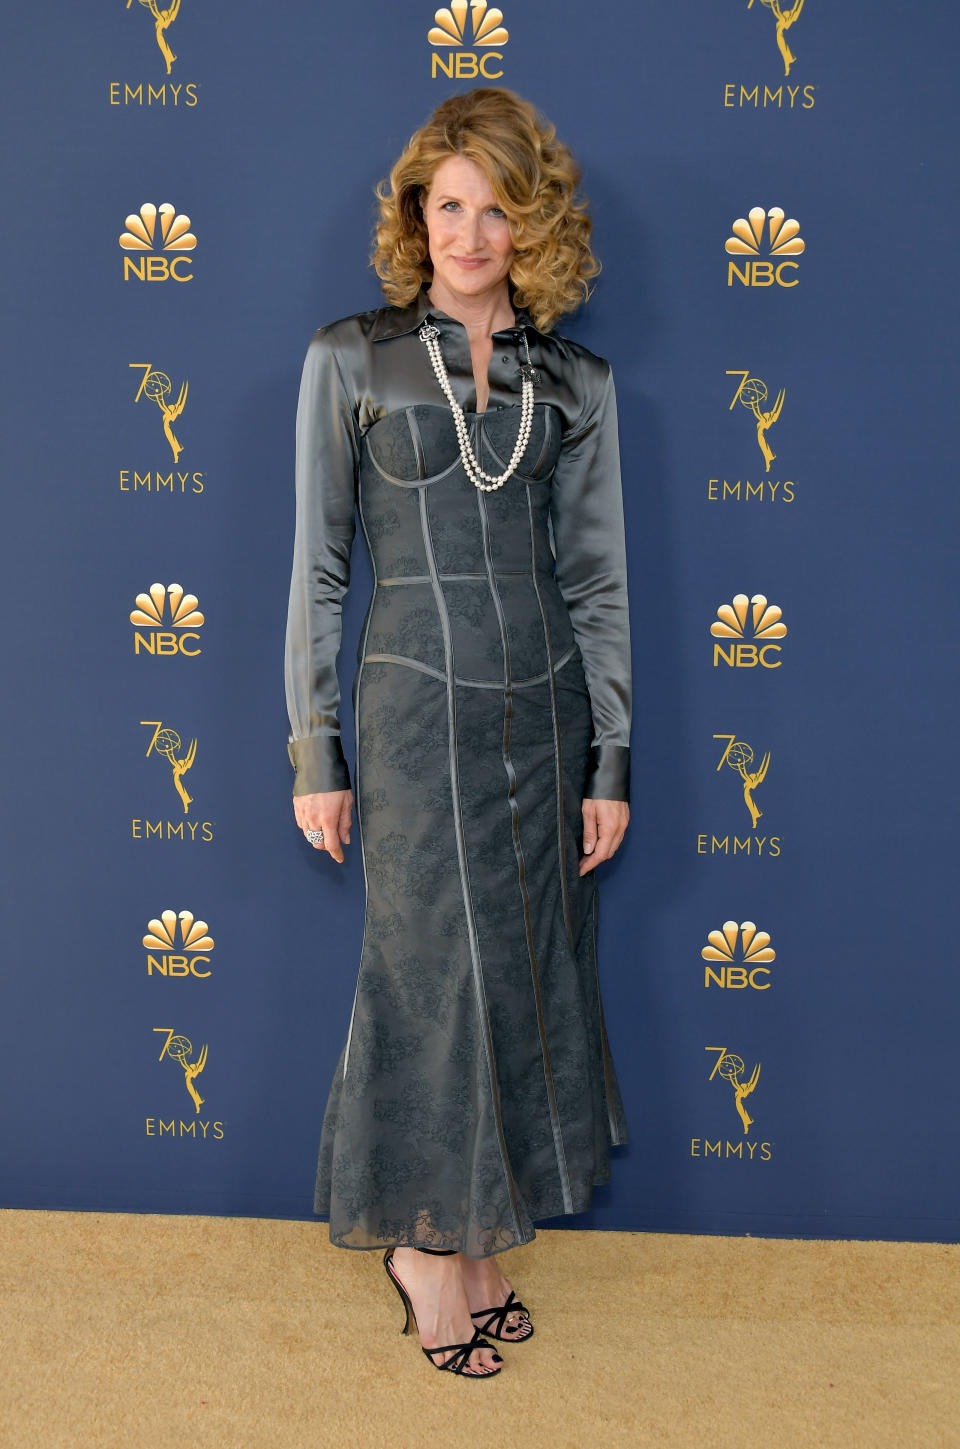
x,y
440,1252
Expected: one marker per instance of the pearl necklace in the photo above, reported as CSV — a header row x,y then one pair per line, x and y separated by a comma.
x,y
428,335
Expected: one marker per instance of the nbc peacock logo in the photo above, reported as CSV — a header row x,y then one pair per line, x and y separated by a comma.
x,y
456,56
748,627
738,956
151,232
178,945
773,233
172,618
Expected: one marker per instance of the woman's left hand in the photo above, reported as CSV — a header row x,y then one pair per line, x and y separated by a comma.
x,y
604,826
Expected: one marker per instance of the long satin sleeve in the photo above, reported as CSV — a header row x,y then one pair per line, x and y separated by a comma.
x,y
326,469
591,571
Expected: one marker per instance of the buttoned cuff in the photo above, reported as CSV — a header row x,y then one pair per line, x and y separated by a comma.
x,y
319,765
608,774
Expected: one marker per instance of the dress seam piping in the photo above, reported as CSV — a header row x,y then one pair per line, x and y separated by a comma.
x,y
462,861
549,1084
561,834
417,441
615,1138
356,774
381,658
414,482
388,581
530,477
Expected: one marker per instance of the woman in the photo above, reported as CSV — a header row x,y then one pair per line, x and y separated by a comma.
x,y
475,1091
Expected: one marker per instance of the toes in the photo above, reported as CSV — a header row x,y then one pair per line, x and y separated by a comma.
x,y
485,1366
487,1360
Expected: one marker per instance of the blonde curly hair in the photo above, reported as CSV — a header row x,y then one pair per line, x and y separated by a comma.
x,y
534,178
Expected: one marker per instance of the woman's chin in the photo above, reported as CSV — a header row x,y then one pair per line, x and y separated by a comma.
x,y
471,281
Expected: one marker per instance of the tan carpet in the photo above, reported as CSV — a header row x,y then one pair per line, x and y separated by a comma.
x,y
150,1332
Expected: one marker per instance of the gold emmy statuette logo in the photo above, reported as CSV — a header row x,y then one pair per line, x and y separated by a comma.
x,y
782,95
754,950
784,17
739,756
183,954
142,236
158,388
178,1049
151,613
449,33
167,742
166,92
162,20
753,617
731,1069
751,394
783,239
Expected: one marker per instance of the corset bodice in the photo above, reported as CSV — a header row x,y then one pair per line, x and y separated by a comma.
x,y
489,552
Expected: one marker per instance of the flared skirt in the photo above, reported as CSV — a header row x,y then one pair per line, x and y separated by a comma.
x,y
475,1092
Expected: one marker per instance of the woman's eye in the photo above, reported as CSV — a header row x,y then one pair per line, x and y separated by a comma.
x,y
496,211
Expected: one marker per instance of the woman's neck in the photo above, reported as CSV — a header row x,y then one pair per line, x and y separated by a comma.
x,y
481,315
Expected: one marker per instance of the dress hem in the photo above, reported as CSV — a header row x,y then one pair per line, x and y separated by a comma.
x,y
582,1205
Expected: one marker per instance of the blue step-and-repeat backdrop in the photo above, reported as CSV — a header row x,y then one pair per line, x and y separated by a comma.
x,y
189,196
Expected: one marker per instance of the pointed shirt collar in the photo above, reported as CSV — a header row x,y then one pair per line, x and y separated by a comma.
x,y
396,321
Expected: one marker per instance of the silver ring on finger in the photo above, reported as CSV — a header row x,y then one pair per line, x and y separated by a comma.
x,y
315,837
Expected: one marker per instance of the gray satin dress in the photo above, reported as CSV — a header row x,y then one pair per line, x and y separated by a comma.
x,y
475,1092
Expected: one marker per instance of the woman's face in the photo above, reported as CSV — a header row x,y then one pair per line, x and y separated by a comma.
x,y
467,232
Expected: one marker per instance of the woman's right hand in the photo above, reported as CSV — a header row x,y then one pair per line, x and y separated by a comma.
x,y
329,811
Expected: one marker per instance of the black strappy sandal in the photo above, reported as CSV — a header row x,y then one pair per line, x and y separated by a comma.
x,y
460,1352
498,1320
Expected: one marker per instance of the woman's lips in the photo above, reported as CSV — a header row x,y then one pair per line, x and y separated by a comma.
x,y
470,262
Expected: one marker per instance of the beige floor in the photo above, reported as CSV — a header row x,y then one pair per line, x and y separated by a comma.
x,y
149,1332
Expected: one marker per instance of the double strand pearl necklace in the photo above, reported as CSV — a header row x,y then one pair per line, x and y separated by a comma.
x,y
429,335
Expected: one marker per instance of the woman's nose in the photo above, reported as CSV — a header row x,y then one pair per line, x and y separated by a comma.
x,y
471,231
